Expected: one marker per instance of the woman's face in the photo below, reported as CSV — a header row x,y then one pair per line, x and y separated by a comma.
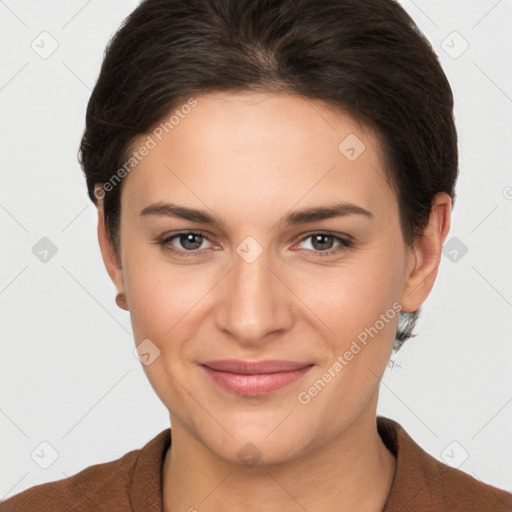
x,y
260,285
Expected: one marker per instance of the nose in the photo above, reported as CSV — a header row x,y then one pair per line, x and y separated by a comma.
x,y
255,302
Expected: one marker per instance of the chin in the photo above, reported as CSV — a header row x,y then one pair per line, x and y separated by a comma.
x,y
254,448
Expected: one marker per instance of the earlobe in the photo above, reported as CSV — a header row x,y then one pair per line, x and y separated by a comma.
x,y
121,301
426,255
110,258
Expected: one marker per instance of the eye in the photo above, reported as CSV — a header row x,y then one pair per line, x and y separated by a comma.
x,y
189,241
323,244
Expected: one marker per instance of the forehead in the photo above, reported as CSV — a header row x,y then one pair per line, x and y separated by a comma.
x,y
239,147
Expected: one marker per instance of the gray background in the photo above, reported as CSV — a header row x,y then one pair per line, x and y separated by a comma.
x,y
68,375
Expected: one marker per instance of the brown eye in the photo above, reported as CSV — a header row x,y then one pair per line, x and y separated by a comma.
x,y
322,241
190,241
186,243
326,244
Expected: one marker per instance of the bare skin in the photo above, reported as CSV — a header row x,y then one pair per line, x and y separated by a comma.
x,y
252,159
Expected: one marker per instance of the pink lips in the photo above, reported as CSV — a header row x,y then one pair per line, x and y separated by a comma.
x,y
254,378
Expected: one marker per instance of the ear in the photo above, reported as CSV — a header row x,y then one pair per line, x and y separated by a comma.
x,y
110,259
425,256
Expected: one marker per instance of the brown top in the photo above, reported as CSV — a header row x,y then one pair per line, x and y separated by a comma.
x,y
134,483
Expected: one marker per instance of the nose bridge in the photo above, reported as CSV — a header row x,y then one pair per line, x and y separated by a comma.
x,y
254,302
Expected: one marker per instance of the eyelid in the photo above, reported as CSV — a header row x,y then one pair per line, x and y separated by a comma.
x,y
344,242
340,236
166,239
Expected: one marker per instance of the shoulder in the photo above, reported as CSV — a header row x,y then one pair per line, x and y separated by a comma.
x,y
423,483
88,489
105,486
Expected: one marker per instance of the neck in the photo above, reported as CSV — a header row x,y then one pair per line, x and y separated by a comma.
x,y
353,471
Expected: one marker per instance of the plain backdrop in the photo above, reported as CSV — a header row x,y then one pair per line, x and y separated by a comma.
x,y
71,389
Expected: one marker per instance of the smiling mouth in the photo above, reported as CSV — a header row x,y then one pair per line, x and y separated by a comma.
x,y
248,378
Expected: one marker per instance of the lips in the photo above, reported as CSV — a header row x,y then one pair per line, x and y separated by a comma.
x,y
254,367
254,378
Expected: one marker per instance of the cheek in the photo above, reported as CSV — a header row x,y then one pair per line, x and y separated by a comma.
x,y
161,299
164,304
352,296
168,303
156,295
357,309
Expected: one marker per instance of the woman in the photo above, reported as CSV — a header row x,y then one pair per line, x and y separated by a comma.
x,y
274,183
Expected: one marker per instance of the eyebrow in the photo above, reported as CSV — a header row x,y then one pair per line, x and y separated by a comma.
x,y
297,217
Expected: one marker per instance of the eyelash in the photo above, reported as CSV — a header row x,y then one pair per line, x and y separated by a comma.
x,y
344,244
